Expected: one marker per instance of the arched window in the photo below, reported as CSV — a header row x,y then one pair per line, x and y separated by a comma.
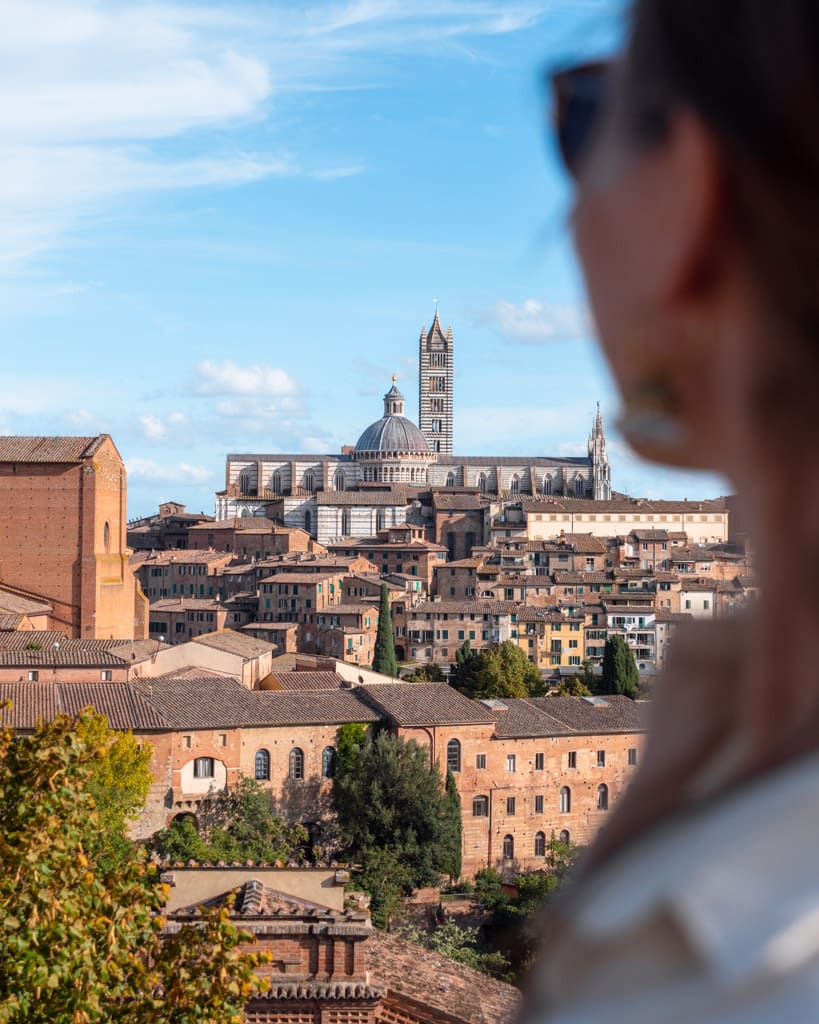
x,y
345,523
547,485
308,521
514,484
379,520
246,482
480,807
540,844
296,763
450,479
309,480
564,836
338,480
453,756
482,484
328,763
508,847
262,765
602,797
565,800
579,487
276,483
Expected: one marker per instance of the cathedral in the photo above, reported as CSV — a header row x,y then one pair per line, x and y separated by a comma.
x,y
380,481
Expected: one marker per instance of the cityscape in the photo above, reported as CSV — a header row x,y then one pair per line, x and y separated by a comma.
x,y
329,749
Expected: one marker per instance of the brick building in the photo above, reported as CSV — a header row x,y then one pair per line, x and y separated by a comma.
x,y
62,533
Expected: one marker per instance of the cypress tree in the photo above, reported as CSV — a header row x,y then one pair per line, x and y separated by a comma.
x,y
384,657
620,672
451,838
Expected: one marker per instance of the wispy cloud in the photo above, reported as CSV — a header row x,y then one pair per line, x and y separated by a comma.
x,y
228,378
533,322
179,472
93,97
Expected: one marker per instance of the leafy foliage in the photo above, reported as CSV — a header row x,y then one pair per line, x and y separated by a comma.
x,y
571,687
119,782
240,826
384,659
386,877
511,921
620,672
425,674
499,671
81,931
389,799
459,943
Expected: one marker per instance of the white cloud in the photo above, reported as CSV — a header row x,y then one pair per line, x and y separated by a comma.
x,y
180,472
228,378
157,428
536,323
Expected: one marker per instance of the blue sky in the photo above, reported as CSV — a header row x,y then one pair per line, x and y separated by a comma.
x,y
225,223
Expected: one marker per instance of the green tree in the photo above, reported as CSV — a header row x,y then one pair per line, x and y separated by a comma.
x,y
240,824
426,674
452,834
350,738
571,687
459,943
81,932
620,672
119,781
464,672
384,660
388,798
500,671
386,877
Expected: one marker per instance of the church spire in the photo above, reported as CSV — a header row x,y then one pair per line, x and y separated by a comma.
x,y
601,472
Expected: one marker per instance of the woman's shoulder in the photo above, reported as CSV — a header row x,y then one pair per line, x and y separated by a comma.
x,y
720,903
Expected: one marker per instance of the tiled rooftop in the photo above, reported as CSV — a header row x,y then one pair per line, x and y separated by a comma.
x,y
232,642
48,449
425,704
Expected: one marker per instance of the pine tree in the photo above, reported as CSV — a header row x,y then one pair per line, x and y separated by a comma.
x,y
452,837
384,660
620,672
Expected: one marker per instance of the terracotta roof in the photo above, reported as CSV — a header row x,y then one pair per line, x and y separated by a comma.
x,y
33,650
650,535
425,704
620,505
582,577
559,716
423,979
468,607
247,647
22,604
49,449
178,557
185,604
584,543
458,502
308,680
121,703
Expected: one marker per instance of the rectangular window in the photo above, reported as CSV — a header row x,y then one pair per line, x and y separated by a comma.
x,y
601,759
186,742
510,762
572,759
222,739
510,805
106,675
539,804
632,756
33,676
480,761
203,768
539,762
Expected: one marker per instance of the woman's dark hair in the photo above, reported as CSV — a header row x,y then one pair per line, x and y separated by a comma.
x,y
750,71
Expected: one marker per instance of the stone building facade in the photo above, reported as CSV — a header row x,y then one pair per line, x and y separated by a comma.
x,y
312,492
62,533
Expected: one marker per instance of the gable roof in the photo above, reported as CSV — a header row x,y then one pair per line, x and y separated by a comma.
x,y
17,448
425,704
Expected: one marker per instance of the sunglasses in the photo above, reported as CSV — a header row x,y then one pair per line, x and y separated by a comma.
x,y
579,94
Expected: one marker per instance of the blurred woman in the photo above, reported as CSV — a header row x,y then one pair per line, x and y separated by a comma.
x,y
696,161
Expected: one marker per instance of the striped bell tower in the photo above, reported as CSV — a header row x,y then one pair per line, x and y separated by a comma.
x,y
435,380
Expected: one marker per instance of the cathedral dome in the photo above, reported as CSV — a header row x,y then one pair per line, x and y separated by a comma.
x,y
393,432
